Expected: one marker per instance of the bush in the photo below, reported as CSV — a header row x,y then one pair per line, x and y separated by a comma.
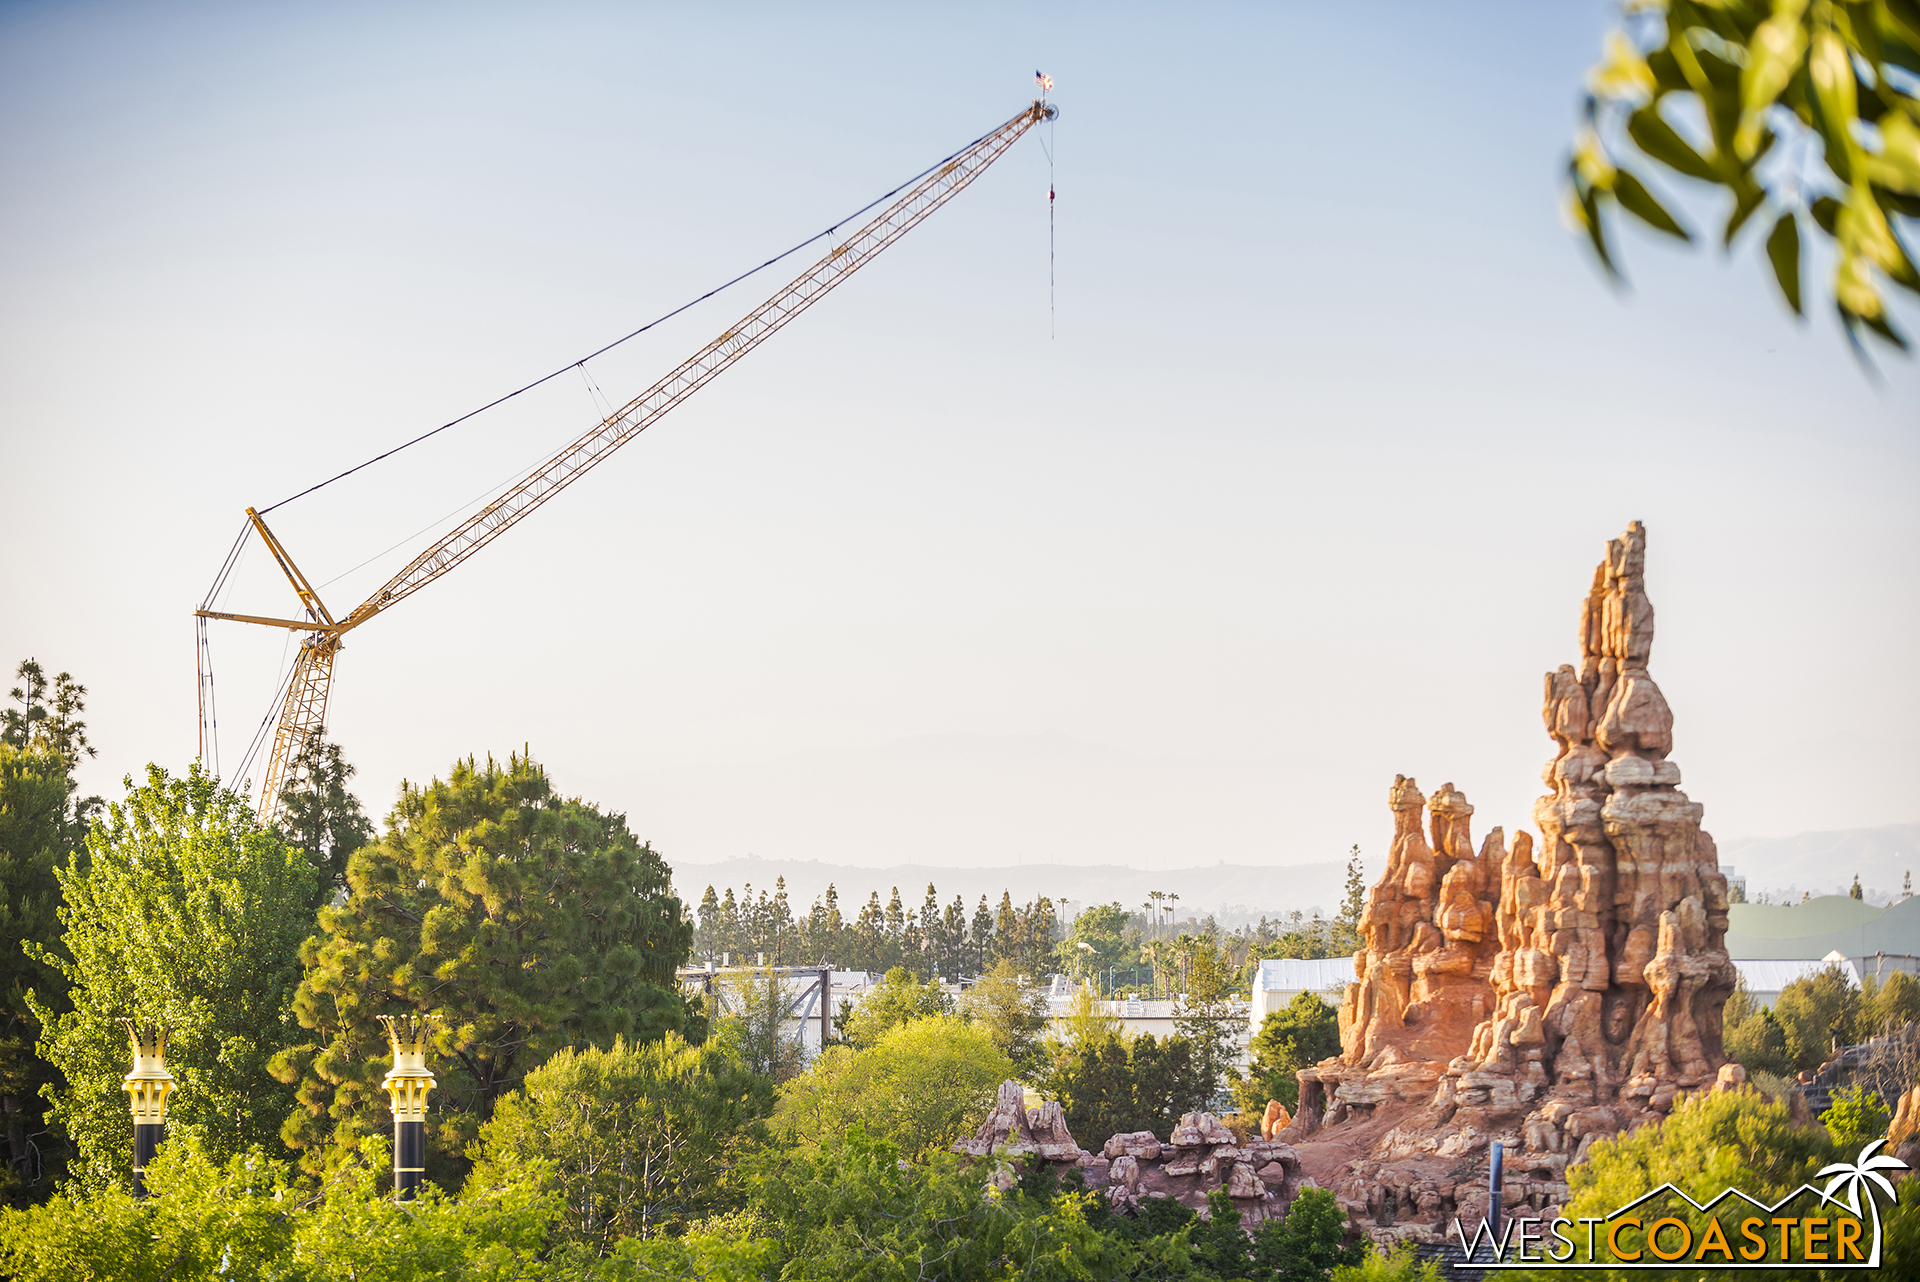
x,y
635,1140
1855,1118
1403,1265
922,1085
1300,1035
1309,1244
242,1221
1708,1143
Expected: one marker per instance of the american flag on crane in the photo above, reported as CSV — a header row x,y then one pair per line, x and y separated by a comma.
x,y
1044,81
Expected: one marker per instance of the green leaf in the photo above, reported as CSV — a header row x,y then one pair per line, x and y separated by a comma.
x,y
1748,196
1589,212
1773,54
1880,326
1901,18
1826,212
1783,251
1662,142
1638,201
1835,95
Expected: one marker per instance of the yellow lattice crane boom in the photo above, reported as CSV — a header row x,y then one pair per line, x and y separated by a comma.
x,y
304,708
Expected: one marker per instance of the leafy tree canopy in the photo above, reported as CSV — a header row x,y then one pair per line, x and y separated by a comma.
x,y
319,815
36,839
1111,1083
1297,1036
921,1086
185,915
636,1140
524,920
1802,112
897,999
1009,1008
243,1221
1712,1141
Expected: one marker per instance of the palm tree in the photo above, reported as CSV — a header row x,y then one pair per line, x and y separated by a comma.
x,y
1866,1167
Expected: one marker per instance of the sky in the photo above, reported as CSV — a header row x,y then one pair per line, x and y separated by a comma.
x,y
1279,470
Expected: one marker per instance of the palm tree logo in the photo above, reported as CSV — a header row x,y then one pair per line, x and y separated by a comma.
x,y
1863,1174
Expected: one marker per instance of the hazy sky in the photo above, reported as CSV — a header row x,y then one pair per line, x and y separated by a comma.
x,y
1303,491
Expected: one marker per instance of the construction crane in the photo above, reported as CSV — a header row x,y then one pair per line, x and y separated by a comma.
x,y
304,707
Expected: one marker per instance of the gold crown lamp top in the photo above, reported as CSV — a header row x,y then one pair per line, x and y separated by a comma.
x,y
149,1083
409,1080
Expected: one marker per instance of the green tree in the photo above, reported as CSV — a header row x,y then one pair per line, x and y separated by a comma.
x,y
922,1085
1010,1009
1205,1016
1710,1142
1818,1012
525,920
317,813
754,1026
36,840
1299,1035
1098,942
898,998
856,1211
186,915
1309,1243
1344,933
1893,1002
1811,127
636,1140
244,1221
1855,1117
1401,1264
1107,1083
49,725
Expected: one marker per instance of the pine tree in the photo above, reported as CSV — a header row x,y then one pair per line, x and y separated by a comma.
x,y
524,921
707,936
980,949
318,816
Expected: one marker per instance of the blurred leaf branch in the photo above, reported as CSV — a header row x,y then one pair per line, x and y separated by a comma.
x,y
1804,111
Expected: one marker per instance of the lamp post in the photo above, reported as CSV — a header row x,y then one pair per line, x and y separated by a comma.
x,y
147,1087
407,1083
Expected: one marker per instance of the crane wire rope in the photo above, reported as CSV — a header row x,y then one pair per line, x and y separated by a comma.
x,y
643,329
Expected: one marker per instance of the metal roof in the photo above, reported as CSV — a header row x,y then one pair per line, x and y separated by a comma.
x,y
1771,976
1295,974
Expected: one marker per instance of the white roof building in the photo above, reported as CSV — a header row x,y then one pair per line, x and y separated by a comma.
x,y
1765,979
1281,979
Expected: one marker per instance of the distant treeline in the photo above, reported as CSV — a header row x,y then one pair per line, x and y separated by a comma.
x,y
935,940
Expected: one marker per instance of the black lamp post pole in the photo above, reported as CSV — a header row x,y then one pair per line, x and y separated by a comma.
x,y
408,1083
147,1087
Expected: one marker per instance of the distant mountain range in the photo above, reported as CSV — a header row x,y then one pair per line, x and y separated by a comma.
x,y
1229,891
1826,863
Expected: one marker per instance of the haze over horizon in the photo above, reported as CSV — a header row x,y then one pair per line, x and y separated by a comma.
x,y
1293,484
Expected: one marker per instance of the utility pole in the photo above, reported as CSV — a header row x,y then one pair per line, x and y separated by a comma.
x,y
147,1087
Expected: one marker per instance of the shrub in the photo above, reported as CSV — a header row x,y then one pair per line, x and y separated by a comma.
x,y
1855,1118
922,1085
635,1140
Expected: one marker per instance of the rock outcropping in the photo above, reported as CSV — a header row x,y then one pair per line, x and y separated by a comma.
x,y
1546,997
1198,1157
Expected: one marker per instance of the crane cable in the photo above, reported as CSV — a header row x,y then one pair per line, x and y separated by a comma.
x,y
636,333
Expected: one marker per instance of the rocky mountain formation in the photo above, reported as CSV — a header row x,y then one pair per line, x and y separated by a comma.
x,y
1547,995
1199,1156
